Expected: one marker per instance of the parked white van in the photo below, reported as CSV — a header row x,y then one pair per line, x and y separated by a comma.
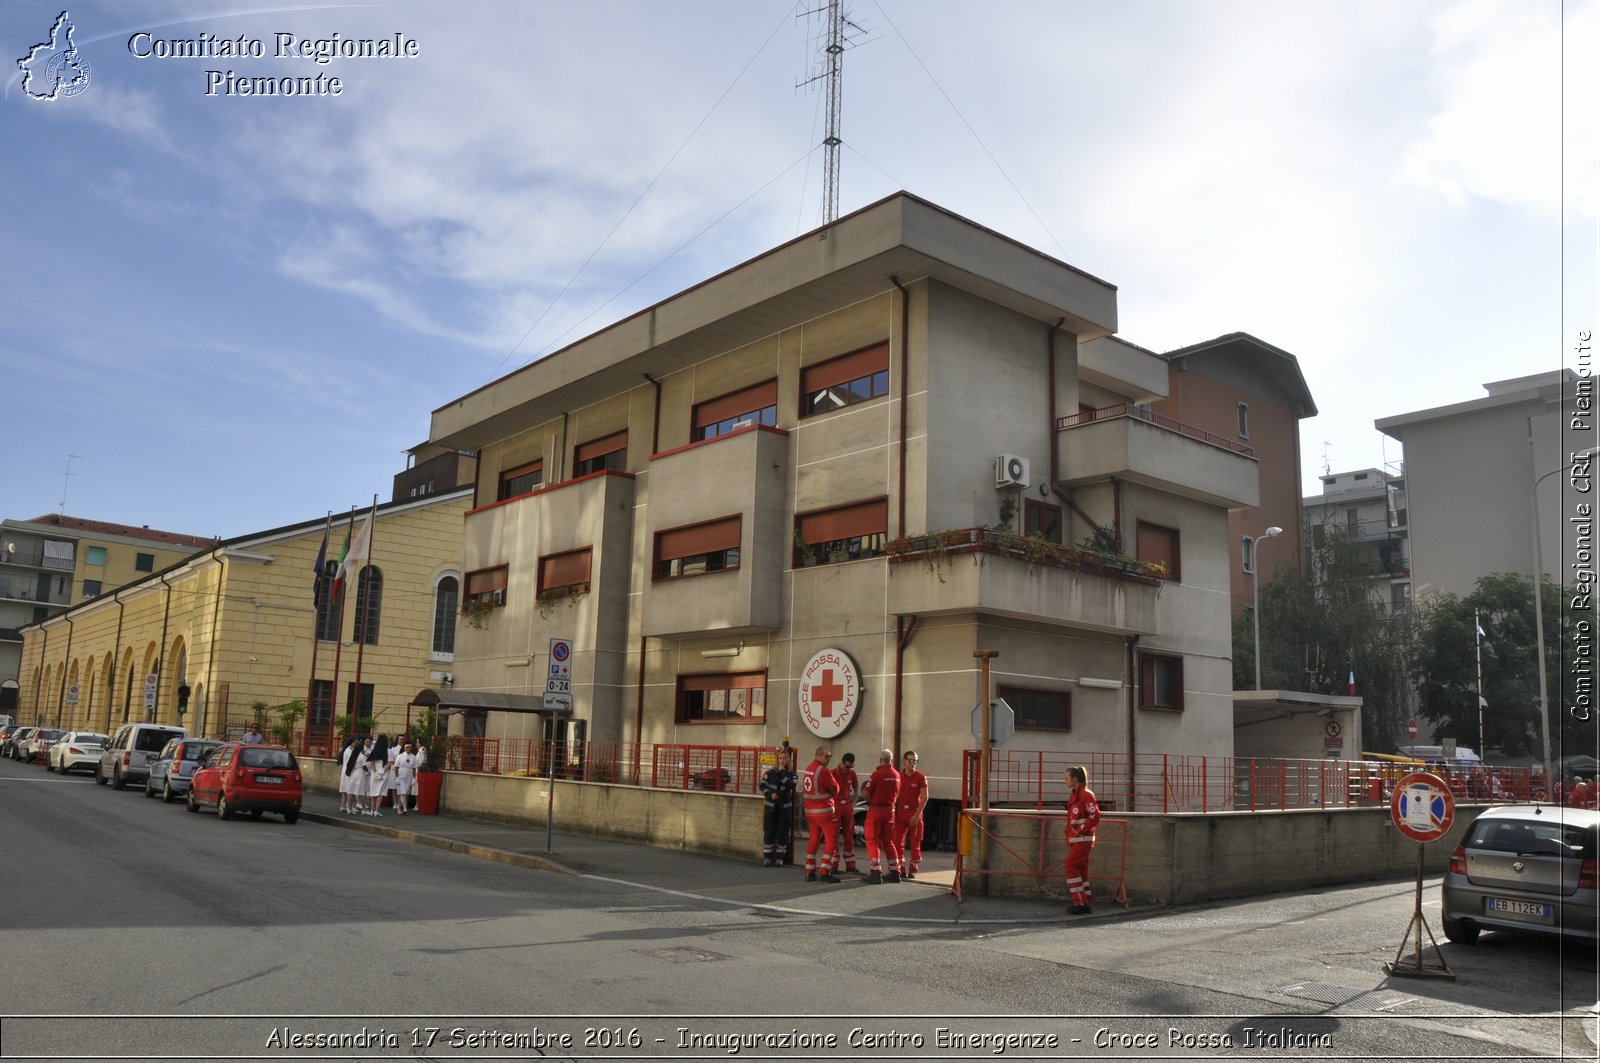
x,y
126,758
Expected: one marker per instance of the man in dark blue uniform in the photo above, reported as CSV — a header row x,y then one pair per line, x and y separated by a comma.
x,y
777,788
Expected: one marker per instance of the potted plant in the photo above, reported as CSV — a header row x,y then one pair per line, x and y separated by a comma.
x,y
430,775
551,598
476,610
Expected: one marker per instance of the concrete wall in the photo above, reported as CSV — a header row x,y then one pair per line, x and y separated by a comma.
x,y
698,821
1184,859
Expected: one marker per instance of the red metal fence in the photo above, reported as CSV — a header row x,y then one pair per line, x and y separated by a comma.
x,y
1164,782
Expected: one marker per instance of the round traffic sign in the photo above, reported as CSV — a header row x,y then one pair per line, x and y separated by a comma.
x,y
1411,729
1422,806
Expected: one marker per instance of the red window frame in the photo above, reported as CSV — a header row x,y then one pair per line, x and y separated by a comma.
x,y
1158,544
1150,694
864,524
716,541
1041,519
480,584
696,696
509,477
568,570
864,364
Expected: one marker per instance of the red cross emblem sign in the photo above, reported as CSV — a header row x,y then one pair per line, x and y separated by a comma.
x,y
830,693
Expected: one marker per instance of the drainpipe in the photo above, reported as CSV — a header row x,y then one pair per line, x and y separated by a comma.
x,y
905,357
1116,510
61,698
211,662
116,660
161,651
44,666
655,423
638,716
1055,433
1133,710
561,453
902,639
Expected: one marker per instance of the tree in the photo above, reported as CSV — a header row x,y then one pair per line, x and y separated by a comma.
x,y
1447,666
1319,626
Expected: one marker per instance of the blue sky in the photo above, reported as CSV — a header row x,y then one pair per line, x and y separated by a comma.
x,y
239,311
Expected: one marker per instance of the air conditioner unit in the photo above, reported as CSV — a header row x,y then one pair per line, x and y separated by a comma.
x,y
1011,471
498,597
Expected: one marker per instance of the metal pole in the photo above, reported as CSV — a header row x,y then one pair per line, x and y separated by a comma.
x,y
985,747
1255,604
550,798
1477,642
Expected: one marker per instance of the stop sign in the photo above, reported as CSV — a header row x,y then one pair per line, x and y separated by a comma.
x,y
1411,729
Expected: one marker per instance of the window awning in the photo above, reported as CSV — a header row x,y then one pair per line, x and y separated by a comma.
x,y
448,701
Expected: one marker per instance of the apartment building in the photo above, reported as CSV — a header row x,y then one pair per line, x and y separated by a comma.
x,y
1369,504
1243,389
240,622
792,502
52,562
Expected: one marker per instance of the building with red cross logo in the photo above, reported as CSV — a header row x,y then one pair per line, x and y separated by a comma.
x,y
884,444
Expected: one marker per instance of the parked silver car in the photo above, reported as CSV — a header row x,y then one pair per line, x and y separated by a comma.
x,y
78,749
1524,867
132,747
173,769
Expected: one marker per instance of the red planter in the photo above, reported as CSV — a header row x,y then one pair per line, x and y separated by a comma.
x,y
428,783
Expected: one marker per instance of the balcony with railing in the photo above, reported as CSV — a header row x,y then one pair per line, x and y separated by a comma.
x,y
1137,444
1000,572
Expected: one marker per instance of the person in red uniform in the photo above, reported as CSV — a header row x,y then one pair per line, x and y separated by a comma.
x,y
1083,815
908,814
849,786
817,790
880,791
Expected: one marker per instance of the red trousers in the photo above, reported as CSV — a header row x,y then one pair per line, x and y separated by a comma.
x,y
1077,871
881,837
824,835
908,833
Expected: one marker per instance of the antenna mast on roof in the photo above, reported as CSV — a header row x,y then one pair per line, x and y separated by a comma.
x,y
841,32
66,480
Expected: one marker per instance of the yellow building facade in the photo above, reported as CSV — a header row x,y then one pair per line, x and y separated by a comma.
x,y
238,623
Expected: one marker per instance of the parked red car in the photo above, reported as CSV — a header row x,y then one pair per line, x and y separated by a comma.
x,y
253,778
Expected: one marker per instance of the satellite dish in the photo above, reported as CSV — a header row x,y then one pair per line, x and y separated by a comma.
x,y
11,548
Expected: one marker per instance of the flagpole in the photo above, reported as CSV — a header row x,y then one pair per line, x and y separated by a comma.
x,y
316,617
338,629
1477,640
363,598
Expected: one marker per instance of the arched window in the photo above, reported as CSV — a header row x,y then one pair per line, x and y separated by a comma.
x,y
369,603
446,601
327,605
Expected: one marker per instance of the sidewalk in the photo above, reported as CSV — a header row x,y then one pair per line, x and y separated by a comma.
x,y
746,884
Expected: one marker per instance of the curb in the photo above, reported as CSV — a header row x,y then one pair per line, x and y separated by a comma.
x,y
482,852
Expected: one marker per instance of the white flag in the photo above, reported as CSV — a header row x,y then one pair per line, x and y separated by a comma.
x,y
1479,626
360,549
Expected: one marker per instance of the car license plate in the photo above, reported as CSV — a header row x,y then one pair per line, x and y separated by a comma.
x,y
1510,907
273,780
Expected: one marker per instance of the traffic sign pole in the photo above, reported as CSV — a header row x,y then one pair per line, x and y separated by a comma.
x,y
985,751
1423,808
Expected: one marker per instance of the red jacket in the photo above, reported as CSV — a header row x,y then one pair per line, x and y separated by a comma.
x,y
817,787
882,787
1083,815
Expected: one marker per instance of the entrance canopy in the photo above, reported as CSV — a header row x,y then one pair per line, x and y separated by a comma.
x,y
448,701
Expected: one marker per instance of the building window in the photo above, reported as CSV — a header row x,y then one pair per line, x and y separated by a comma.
x,y
845,381
144,562
521,480
842,534
1352,519
718,417
327,615
364,714
1158,545
567,572
369,603
319,714
487,585
1244,420
738,698
698,549
446,601
609,453
91,588
1041,519
1039,710
1160,681
95,555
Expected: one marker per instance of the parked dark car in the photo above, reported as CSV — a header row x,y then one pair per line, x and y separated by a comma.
x,y
11,745
1523,867
253,778
174,767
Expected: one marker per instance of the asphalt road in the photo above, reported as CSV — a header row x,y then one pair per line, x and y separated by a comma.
x,y
232,939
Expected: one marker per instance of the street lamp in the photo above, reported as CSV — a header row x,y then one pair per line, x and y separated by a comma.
x,y
1538,619
1255,591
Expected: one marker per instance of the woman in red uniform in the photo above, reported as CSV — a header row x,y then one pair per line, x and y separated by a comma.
x,y
1083,815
